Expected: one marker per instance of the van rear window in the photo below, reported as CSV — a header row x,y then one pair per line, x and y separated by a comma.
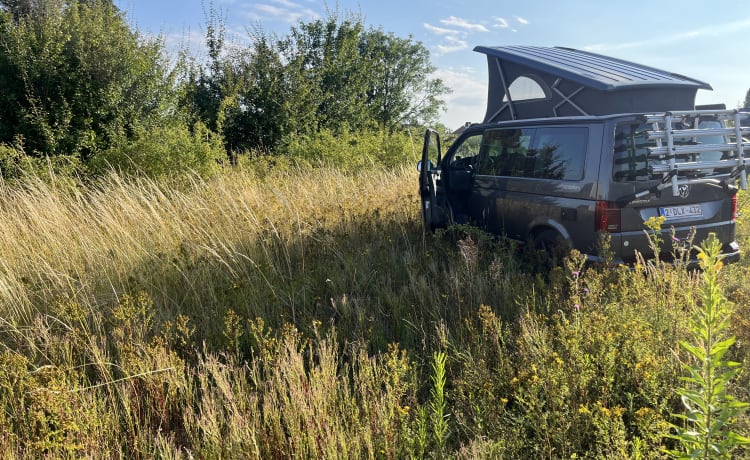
x,y
631,162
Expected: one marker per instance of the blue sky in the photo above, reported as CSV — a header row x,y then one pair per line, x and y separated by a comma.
x,y
709,41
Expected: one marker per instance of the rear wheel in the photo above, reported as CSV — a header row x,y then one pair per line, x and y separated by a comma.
x,y
553,245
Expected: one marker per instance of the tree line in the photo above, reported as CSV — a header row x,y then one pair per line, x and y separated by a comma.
x,y
79,83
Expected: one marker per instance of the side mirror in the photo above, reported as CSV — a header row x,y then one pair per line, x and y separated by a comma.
x,y
429,165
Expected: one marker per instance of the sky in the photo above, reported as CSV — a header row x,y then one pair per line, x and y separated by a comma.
x,y
708,41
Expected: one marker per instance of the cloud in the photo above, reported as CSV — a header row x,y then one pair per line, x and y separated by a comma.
x,y
279,10
467,101
464,24
452,40
522,21
500,23
700,32
451,45
440,30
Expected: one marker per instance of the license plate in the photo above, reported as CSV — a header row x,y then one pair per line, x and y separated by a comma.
x,y
680,212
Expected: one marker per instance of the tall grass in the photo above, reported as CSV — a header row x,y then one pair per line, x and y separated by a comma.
x,y
306,314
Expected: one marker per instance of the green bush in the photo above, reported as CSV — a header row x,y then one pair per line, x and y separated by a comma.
x,y
163,152
355,150
15,164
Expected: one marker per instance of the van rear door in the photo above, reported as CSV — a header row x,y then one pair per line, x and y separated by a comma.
x,y
685,174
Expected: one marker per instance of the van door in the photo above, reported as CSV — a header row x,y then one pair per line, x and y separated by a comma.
x,y
706,198
534,179
432,194
503,154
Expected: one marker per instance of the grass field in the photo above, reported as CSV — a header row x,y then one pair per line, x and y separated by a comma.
x,y
306,314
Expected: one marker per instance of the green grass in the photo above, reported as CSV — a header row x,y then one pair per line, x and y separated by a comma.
x,y
302,315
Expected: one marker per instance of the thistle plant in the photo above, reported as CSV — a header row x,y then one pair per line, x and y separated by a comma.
x,y
710,411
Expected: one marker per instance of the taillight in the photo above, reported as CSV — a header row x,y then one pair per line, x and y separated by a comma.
x,y
607,216
734,206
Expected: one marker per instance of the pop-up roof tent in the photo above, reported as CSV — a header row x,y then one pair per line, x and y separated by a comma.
x,y
539,82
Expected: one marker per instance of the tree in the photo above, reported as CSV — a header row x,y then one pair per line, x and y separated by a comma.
x,y
329,77
400,90
747,99
258,115
364,77
77,80
329,74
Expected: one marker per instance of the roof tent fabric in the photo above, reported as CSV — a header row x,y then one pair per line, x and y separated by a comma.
x,y
571,82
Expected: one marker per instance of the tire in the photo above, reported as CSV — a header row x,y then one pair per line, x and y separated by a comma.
x,y
553,244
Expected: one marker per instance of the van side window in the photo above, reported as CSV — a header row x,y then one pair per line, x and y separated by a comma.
x,y
555,153
467,153
504,152
559,153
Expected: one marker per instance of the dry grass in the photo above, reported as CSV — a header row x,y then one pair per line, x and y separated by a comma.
x,y
298,315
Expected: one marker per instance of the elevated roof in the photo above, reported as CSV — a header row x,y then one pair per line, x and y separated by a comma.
x,y
569,82
593,70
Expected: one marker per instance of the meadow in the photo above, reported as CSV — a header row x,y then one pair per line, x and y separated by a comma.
x,y
306,314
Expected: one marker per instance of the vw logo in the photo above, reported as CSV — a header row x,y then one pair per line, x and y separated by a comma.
x,y
684,190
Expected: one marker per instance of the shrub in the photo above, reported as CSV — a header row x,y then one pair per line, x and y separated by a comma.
x,y
710,409
165,151
354,150
15,164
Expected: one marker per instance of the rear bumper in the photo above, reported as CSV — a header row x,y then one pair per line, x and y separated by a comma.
x,y
730,253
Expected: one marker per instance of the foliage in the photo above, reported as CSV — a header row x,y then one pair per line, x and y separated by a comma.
x,y
76,80
711,410
329,75
79,84
302,314
401,91
164,151
437,402
354,150
16,165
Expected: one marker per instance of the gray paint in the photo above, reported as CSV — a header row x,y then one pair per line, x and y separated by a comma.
x,y
578,83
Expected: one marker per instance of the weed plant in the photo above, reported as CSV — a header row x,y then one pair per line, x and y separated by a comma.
x,y
306,314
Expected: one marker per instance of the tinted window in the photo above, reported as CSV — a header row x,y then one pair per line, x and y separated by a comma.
x,y
467,152
504,152
631,161
559,153
543,153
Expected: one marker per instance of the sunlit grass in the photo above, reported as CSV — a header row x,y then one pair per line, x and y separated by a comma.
x,y
301,314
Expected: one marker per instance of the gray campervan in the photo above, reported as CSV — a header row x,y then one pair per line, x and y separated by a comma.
x,y
575,143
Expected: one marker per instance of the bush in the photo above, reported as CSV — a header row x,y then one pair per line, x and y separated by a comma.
x,y
165,151
16,164
355,150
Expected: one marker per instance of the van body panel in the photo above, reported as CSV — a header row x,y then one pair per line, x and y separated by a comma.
x,y
520,178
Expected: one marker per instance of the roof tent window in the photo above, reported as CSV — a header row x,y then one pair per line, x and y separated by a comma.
x,y
525,88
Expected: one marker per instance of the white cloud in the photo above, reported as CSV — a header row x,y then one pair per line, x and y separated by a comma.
x,y
452,40
451,45
464,24
708,31
500,23
521,20
467,101
440,30
280,10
